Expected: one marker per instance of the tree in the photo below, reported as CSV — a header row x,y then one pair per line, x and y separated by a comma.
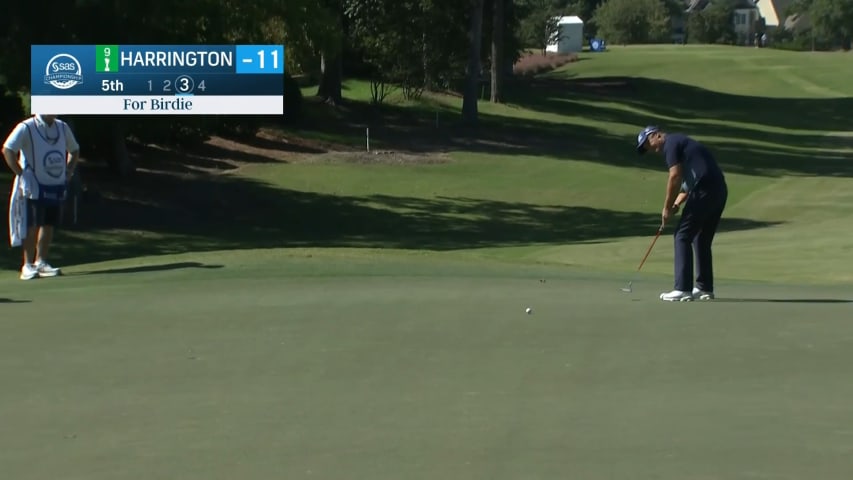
x,y
498,60
472,73
538,23
384,32
330,38
714,24
831,20
441,34
633,21
296,23
585,9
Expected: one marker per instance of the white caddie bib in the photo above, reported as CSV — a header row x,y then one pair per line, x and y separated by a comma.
x,y
46,159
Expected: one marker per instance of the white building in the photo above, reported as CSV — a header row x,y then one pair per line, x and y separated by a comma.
x,y
569,36
745,16
773,11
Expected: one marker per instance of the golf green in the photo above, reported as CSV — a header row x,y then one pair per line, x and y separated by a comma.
x,y
384,366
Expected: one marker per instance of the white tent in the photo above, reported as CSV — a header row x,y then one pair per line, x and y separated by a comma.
x,y
569,37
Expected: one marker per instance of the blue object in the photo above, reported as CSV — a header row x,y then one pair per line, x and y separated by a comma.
x,y
259,59
69,70
597,45
644,134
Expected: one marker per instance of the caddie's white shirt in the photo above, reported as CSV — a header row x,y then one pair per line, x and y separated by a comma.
x,y
19,139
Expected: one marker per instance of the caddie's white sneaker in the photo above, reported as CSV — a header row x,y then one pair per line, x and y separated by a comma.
x,y
29,272
676,296
45,270
702,295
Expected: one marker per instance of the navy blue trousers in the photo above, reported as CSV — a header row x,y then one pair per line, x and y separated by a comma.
x,y
694,235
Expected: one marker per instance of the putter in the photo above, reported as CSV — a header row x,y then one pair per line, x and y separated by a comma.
x,y
629,288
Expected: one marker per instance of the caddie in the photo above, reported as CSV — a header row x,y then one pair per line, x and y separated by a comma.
x,y
42,152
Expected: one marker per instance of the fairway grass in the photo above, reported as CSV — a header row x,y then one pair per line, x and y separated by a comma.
x,y
778,122
359,364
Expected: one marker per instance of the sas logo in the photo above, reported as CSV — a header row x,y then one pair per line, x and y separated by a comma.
x,y
63,71
54,163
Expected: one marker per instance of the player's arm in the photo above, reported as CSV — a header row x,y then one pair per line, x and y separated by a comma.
x,y
673,186
682,196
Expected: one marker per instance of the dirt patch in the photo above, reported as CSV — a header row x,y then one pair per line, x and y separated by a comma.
x,y
383,157
609,86
614,84
222,155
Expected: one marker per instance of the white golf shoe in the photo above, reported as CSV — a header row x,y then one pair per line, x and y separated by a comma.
x,y
29,272
46,270
703,295
676,296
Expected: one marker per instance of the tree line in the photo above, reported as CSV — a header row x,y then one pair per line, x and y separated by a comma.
x,y
411,45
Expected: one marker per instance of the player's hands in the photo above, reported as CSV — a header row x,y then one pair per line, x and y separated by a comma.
x,y
665,215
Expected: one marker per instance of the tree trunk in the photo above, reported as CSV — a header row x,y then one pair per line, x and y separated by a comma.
x,y
120,159
330,79
498,51
428,80
472,80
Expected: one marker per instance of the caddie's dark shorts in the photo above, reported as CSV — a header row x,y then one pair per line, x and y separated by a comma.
x,y
40,215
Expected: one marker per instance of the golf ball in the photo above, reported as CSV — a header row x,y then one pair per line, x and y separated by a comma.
x,y
528,310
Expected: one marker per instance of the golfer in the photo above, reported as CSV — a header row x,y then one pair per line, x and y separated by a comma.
x,y
694,178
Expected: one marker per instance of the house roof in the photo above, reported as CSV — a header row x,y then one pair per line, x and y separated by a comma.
x,y
696,5
747,4
773,11
573,19
699,5
797,22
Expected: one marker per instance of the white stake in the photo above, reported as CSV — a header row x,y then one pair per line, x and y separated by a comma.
x,y
367,134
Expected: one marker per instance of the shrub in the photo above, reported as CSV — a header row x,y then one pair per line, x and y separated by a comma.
x,y
534,64
292,101
11,110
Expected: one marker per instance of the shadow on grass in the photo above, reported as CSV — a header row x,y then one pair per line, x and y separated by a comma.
x,y
279,144
217,154
782,300
699,112
433,126
161,213
204,213
665,98
151,268
9,300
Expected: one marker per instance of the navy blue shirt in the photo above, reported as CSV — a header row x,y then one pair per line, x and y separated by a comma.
x,y
697,162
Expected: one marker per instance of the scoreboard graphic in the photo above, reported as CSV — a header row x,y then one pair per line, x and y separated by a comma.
x,y
157,79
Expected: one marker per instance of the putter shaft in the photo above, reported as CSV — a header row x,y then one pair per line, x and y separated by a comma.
x,y
654,240
643,261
